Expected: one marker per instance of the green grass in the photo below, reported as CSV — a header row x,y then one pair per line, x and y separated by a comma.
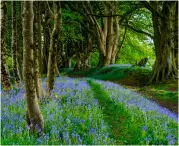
x,y
109,73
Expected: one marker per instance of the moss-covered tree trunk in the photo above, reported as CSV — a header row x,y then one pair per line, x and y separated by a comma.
x,y
34,116
52,49
5,78
165,64
37,50
14,43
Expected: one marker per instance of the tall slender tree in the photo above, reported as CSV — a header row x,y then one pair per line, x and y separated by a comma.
x,y
34,116
53,47
37,50
19,39
46,37
14,43
5,78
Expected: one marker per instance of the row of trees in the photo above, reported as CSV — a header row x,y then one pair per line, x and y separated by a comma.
x,y
49,44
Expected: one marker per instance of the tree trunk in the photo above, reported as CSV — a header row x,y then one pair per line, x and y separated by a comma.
x,y
116,38
46,43
165,65
69,63
5,78
34,117
40,39
110,39
19,40
37,51
46,47
14,43
176,36
57,73
52,50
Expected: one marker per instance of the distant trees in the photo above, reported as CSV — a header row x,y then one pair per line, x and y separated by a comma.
x,y
5,78
34,116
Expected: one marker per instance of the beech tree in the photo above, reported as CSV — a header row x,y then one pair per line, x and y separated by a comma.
x,y
164,17
104,19
53,46
34,116
14,43
5,78
107,34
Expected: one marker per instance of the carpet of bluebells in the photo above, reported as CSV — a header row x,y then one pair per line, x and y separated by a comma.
x,y
73,115
159,125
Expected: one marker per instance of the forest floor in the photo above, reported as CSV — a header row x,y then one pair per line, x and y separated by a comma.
x,y
135,79
88,111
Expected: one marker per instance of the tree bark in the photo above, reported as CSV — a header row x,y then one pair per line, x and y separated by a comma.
x,y
165,65
53,48
14,43
116,38
19,40
34,117
46,43
176,36
37,51
5,78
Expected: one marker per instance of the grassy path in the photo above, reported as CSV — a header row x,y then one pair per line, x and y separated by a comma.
x,y
123,131
114,113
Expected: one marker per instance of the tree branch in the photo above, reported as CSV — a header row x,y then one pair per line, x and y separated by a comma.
x,y
104,15
51,12
139,31
151,8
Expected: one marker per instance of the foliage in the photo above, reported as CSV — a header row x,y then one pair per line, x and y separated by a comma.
x,y
94,56
134,49
71,26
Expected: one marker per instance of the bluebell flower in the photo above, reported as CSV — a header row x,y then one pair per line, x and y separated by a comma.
x,y
145,128
79,139
171,139
92,131
65,136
